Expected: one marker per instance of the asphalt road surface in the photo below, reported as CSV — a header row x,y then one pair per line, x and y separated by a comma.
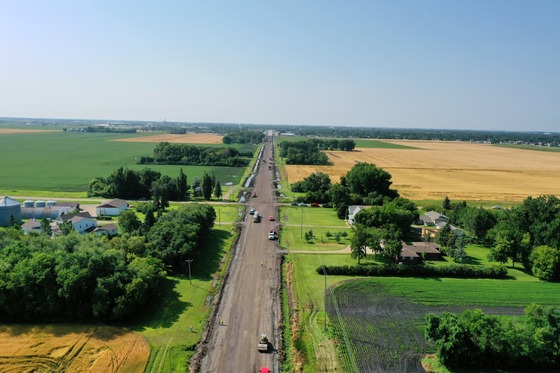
x,y
249,305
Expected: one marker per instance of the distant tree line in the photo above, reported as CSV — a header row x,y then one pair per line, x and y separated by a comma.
x,y
180,154
474,339
149,184
309,151
243,137
495,137
109,129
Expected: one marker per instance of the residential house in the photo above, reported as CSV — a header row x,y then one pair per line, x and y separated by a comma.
x,y
107,229
416,252
82,222
353,211
112,208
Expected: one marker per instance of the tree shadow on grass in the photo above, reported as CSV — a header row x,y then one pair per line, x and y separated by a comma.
x,y
471,260
209,259
162,312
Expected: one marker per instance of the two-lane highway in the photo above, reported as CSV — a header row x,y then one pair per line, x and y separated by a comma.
x,y
249,305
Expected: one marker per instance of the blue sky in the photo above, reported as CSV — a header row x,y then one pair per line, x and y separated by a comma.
x,y
484,64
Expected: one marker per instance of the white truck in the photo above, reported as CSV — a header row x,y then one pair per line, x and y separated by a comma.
x,y
256,217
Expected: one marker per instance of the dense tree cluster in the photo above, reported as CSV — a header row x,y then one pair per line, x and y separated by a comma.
x,y
243,137
302,152
145,184
528,234
166,153
179,234
316,187
73,277
478,340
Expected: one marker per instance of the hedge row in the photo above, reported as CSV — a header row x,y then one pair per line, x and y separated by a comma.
x,y
452,270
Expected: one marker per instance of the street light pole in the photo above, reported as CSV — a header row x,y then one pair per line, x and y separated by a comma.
x,y
189,262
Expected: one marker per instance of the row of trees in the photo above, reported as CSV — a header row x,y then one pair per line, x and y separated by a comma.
x,y
166,153
89,277
144,184
149,184
475,339
243,137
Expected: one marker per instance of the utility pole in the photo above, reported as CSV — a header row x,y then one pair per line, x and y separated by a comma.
x,y
189,262
325,301
301,227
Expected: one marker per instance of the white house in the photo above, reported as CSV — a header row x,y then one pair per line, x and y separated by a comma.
x,y
82,222
112,208
353,211
31,226
107,229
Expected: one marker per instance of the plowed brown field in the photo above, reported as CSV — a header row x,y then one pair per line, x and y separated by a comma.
x,y
462,171
71,348
189,138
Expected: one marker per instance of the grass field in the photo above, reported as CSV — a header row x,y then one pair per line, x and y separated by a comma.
x,y
57,161
71,348
462,171
316,216
293,238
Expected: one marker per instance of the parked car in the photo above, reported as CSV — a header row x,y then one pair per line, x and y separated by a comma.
x,y
254,195
315,204
271,218
294,203
302,204
252,211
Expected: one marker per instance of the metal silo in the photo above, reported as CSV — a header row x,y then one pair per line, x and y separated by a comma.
x,y
40,203
10,210
28,203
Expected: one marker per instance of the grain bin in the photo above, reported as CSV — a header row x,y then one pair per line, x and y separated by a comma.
x,y
10,211
51,203
40,203
28,203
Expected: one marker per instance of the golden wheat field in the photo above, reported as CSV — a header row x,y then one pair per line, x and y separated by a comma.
x,y
71,348
10,131
189,138
460,170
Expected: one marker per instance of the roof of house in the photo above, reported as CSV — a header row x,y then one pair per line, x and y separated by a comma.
x,y
76,217
115,203
406,252
31,225
426,247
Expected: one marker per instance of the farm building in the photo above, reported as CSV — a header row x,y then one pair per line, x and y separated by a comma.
x,y
82,222
353,211
10,211
418,251
112,208
31,226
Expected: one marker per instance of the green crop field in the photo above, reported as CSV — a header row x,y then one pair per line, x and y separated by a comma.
x,y
68,161
361,143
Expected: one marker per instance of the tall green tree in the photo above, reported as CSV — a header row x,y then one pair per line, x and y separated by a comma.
x,y
207,186
218,190
46,227
546,263
129,223
181,185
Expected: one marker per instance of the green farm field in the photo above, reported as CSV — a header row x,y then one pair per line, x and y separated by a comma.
x,y
67,161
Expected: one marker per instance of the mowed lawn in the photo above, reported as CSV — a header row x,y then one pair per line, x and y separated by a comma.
x,y
68,161
312,216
